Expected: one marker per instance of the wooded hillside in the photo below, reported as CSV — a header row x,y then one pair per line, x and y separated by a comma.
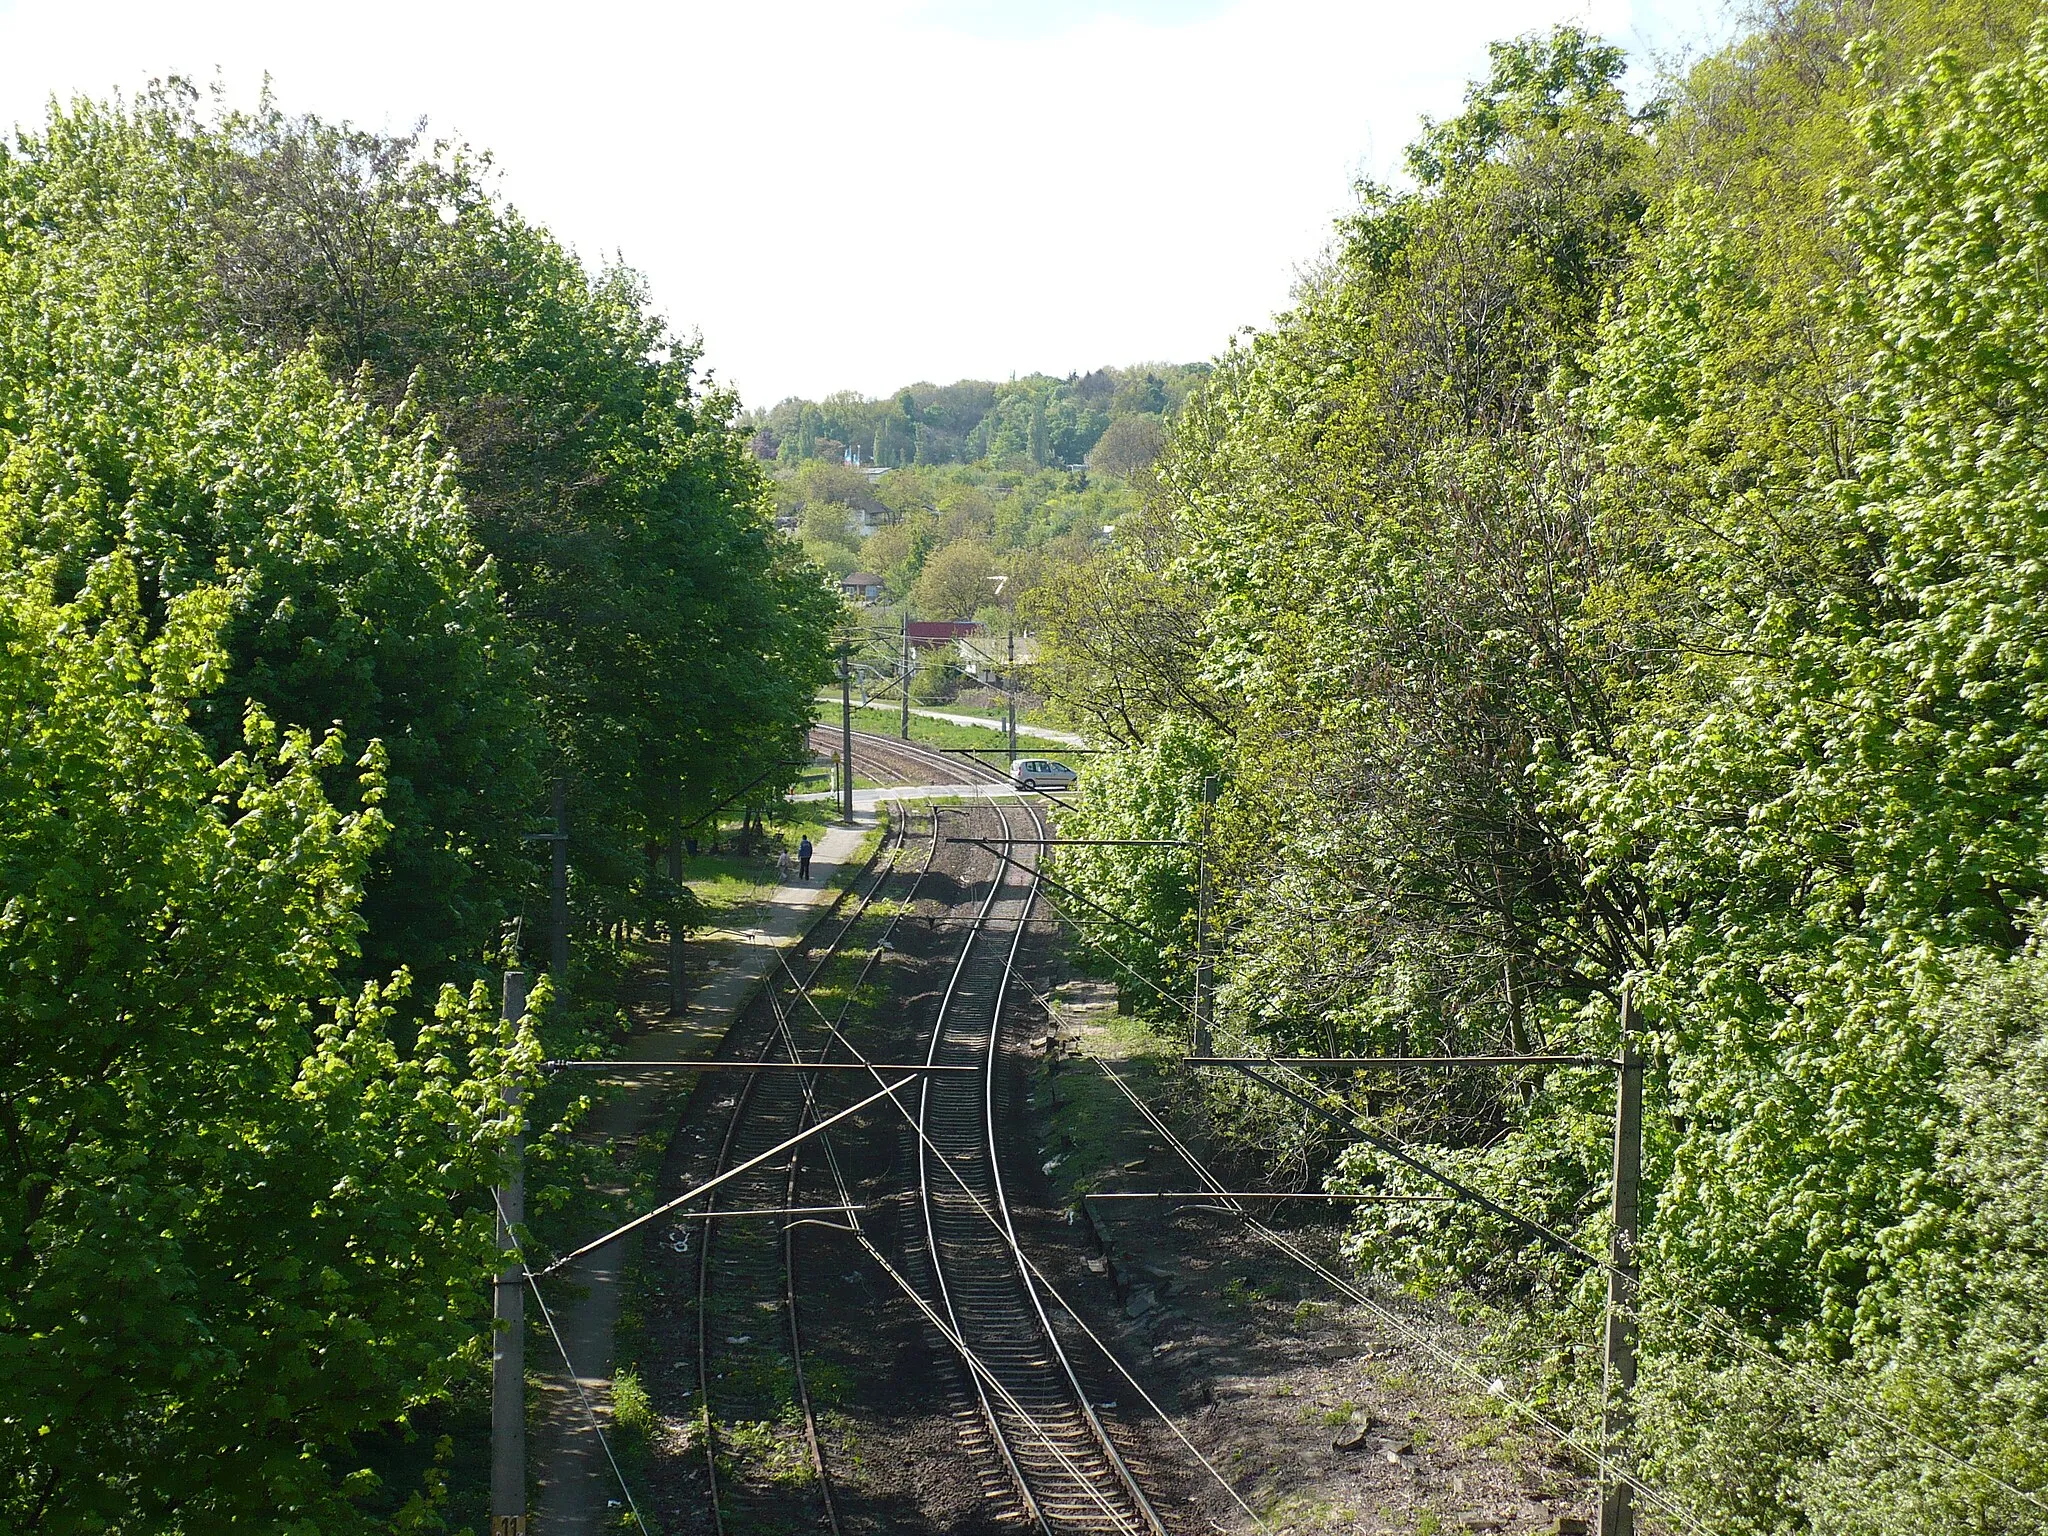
x,y
1616,574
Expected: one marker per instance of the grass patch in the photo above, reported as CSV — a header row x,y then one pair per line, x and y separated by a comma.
x,y
1088,1122
882,719
734,887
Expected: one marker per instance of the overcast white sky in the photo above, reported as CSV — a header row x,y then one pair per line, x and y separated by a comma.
x,y
863,193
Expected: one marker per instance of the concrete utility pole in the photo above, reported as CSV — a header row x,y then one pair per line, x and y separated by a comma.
x,y
558,938
508,1315
845,737
1010,691
675,922
903,680
1617,1511
1203,986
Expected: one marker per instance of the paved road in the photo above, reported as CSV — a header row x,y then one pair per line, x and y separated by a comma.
x,y
829,704
868,799
564,1453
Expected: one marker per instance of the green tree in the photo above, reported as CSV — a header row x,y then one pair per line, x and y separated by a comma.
x,y
668,640
1151,790
358,595
239,1225
954,583
1129,446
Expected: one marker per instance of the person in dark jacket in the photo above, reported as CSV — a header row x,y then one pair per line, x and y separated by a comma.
x,y
803,859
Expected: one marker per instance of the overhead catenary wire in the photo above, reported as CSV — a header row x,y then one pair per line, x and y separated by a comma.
x,y
712,1183
1719,1325
1756,1351
569,1367
1010,1241
982,1371
1494,1386
975,1365
1039,1275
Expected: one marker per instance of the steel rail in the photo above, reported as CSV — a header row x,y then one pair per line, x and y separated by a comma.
x,y
1109,1484
1073,1313
927,1207
1140,1515
807,1109
1147,1514
978,1369
792,1170
743,1101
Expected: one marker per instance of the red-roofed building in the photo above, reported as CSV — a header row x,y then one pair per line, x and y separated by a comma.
x,y
930,634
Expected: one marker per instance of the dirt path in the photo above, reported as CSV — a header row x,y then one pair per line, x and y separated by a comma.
x,y
1320,1414
577,1491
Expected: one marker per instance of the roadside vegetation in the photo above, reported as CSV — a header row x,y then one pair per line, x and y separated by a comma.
x,y
1616,573
343,516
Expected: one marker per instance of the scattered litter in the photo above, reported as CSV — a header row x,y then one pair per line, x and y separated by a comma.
x,y
1052,1164
739,1338
1097,1266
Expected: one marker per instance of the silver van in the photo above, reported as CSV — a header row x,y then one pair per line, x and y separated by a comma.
x,y
1037,773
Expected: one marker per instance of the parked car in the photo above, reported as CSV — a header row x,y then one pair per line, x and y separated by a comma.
x,y
1037,773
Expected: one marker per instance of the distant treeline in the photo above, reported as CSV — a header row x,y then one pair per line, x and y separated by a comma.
x,y
1037,421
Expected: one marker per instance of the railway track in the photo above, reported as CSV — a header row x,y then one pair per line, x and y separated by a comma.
x,y
1042,1452
750,1370
1064,1470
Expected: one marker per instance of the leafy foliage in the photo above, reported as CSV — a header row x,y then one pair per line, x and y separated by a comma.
x,y
241,1226
1620,567
340,511
622,617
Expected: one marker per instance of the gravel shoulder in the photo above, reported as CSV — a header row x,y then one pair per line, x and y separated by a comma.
x,y
1315,1413
1320,1415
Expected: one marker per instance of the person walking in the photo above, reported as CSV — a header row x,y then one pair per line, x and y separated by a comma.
x,y
782,866
803,859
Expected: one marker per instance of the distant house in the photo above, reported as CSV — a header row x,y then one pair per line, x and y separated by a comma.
x,y
989,656
869,514
862,587
934,634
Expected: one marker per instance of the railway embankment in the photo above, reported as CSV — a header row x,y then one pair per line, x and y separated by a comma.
x,y
577,1493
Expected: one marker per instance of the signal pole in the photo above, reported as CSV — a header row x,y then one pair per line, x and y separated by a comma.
x,y
508,1314
845,737
1203,986
1617,1511
1010,691
675,922
558,939
903,679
